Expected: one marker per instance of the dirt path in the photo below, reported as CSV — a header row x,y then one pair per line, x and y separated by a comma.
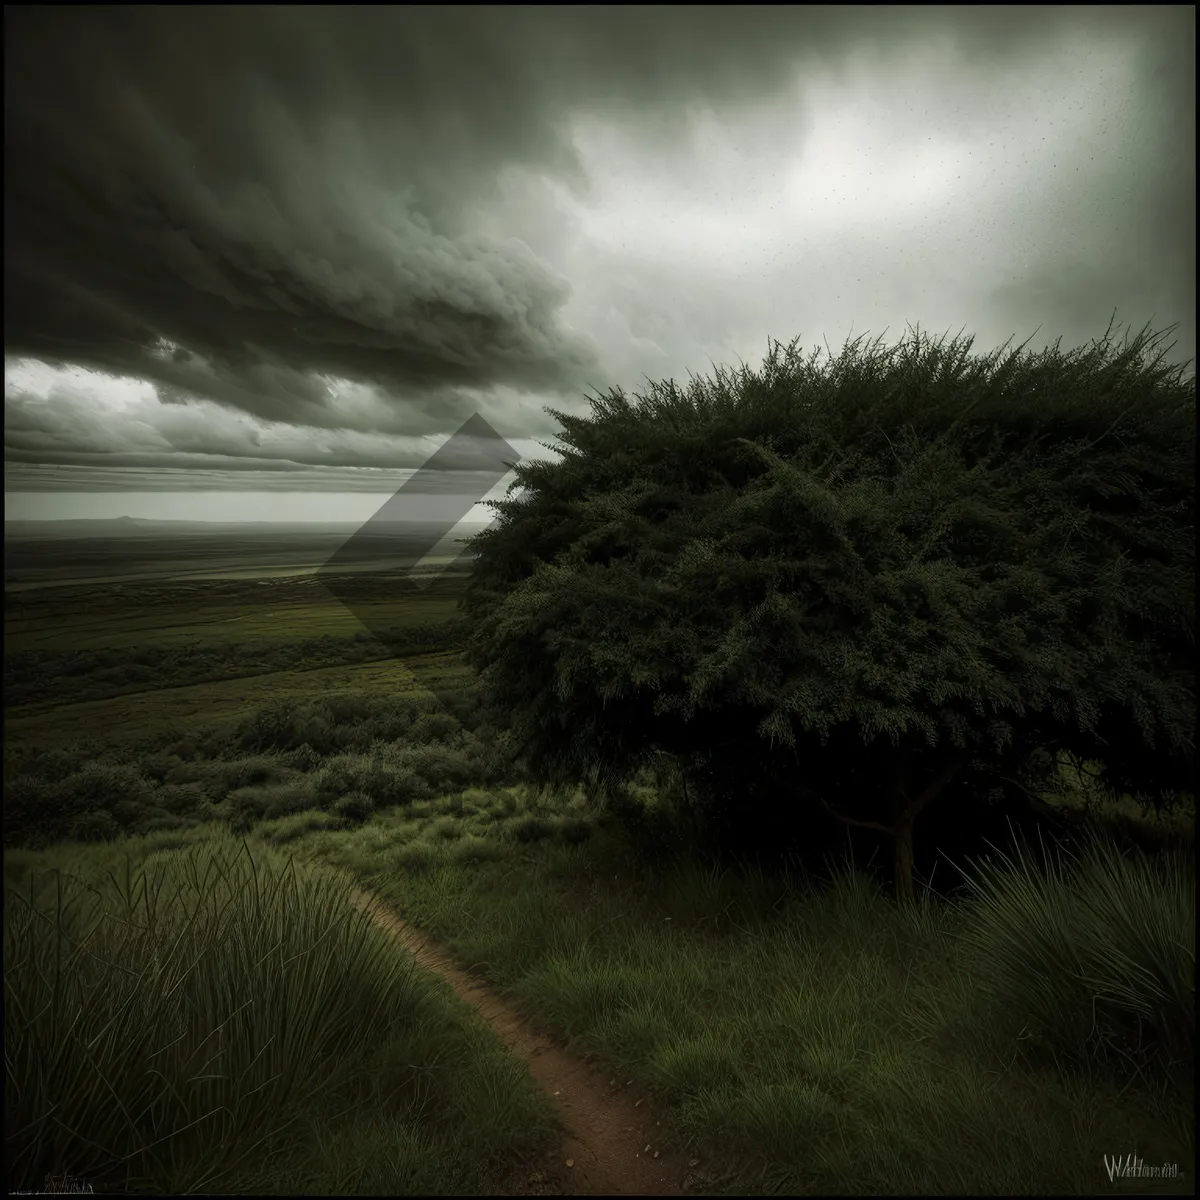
x,y
610,1142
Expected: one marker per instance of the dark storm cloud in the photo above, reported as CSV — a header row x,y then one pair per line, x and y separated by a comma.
x,y
237,203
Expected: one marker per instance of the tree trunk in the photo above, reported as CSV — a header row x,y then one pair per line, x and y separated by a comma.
x,y
905,810
903,819
903,835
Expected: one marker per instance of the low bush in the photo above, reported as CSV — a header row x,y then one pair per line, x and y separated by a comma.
x,y
1090,954
354,807
246,772
303,758
433,727
128,813
181,799
160,766
532,829
246,804
104,784
272,800
35,808
99,825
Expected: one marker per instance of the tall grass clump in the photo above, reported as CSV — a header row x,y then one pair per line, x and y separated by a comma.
x,y
161,1022
1089,957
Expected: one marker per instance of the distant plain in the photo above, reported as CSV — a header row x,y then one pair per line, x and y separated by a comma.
x,y
42,554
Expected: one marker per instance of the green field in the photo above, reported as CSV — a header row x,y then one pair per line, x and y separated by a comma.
x,y
202,772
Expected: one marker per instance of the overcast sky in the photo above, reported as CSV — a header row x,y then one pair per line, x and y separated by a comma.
x,y
261,262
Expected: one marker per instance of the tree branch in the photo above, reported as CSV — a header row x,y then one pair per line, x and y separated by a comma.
x,y
923,798
875,825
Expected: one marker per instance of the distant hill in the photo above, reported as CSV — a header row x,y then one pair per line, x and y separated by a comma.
x,y
118,527
110,527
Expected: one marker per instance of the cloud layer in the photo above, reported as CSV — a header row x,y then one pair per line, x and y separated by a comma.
x,y
347,227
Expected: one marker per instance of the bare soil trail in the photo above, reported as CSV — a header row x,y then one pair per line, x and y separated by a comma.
x,y
610,1141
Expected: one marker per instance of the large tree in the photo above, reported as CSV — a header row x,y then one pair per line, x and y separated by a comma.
x,y
912,568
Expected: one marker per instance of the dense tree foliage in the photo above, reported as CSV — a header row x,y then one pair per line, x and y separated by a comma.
x,y
912,572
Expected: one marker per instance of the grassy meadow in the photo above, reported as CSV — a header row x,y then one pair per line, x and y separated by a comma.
x,y
195,778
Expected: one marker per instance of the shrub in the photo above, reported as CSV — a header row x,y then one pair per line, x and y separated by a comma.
x,y
96,826
34,806
161,766
283,799
433,727
185,772
55,762
443,768
388,788
317,732
247,772
128,813
390,726
1089,953
532,829
181,798
303,758
214,787
498,763
354,807
248,800
347,708
336,780
104,784
272,727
